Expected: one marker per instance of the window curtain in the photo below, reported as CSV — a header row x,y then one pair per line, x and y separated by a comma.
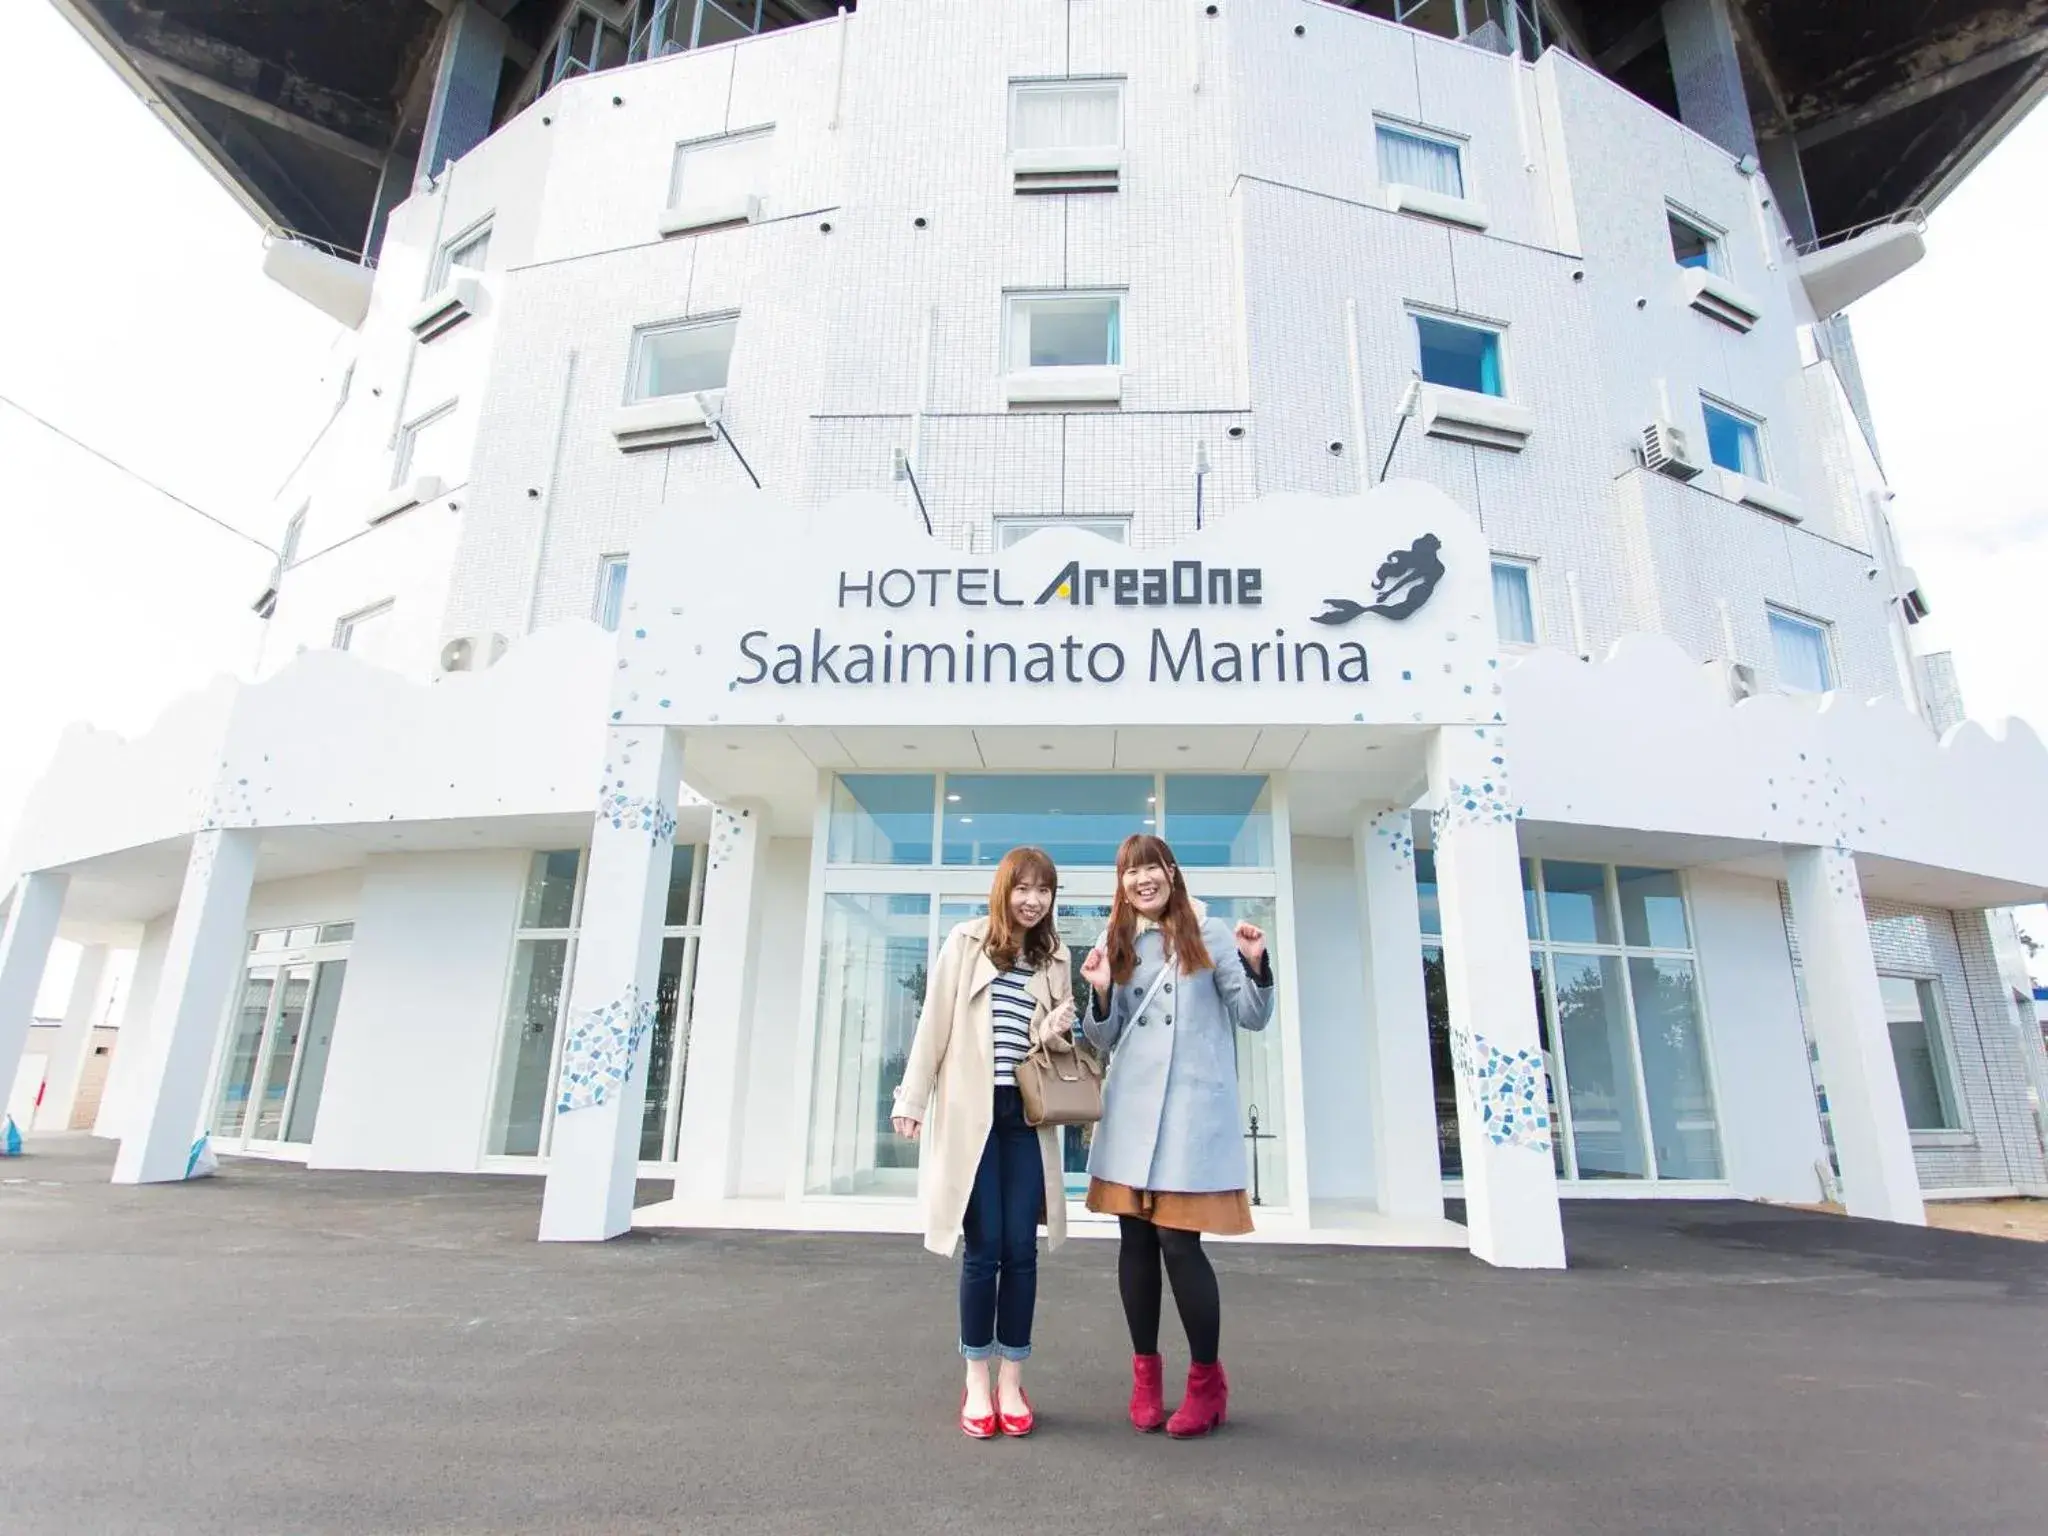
x,y
1513,609
1076,117
1734,444
1802,651
1418,162
1114,337
1489,367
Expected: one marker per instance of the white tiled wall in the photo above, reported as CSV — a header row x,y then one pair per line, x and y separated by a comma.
x,y
1247,221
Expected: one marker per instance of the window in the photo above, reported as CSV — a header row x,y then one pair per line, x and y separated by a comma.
x,y
1920,1053
463,256
720,172
426,447
1692,244
1011,531
1804,665
1066,114
1459,355
1514,607
542,957
368,632
611,590
1734,441
1067,330
1411,158
681,359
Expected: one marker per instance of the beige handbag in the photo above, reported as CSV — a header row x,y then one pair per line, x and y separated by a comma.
x,y
1061,1083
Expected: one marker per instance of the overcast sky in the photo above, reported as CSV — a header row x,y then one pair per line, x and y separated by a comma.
x,y
133,313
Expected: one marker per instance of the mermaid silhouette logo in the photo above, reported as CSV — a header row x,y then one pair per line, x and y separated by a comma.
x,y
1405,580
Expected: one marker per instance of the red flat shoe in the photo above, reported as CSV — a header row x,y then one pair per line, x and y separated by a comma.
x,y
983,1428
1022,1424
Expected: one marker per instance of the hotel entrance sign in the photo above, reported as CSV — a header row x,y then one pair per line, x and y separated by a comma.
x,y
744,609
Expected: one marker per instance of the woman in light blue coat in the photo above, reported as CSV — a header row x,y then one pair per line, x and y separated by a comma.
x,y
1169,987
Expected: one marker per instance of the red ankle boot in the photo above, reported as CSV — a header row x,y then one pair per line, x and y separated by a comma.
x,y
1148,1393
1205,1406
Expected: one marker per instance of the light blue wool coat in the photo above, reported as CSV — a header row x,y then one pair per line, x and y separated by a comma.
x,y
1170,1116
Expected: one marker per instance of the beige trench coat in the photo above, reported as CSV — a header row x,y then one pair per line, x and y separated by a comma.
x,y
949,1084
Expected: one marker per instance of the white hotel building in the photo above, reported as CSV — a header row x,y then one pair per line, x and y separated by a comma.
x,y
594,812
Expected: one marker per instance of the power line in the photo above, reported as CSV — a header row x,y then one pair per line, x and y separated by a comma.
x,y
132,475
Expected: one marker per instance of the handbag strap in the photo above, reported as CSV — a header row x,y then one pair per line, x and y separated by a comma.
x,y
1167,967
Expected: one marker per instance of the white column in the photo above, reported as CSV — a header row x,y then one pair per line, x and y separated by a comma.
x,y
722,1009
595,1154
74,1040
202,962
1847,1014
1401,1087
1504,1125
25,940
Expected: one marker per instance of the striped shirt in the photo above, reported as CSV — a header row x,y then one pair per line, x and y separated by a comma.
x,y
1010,1007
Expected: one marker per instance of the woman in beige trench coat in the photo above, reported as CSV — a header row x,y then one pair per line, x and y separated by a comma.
x,y
1001,983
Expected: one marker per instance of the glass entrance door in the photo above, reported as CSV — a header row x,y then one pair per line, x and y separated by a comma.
x,y
275,1063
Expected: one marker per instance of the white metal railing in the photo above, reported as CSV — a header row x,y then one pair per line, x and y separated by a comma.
x,y
275,232
1912,216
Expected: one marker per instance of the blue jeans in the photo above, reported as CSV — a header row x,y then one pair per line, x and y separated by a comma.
x,y
999,1268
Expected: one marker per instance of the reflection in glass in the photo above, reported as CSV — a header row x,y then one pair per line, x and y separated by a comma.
x,y
682,865
1675,1068
1217,821
1077,818
550,900
1426,897
668,1046
1081,925
519,1105
1924,1084
305,1112
881,818
1443,1072
1599,1066
1575,903
1652,908
1532,920
1558,1159
1261,1081
240,1072
873,972
284,1051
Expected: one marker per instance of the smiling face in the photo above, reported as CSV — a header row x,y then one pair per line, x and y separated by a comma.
x,y
1149,887
1030,900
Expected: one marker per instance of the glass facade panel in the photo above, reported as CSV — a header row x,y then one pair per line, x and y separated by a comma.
x,y
1443,1074
1599,1066
1575,903
668,1046
305,1111
1217,821
1912,1018
881,818
550,900
240,1073
682,867
873,971
1261,1071
1652,909
525,1066
1426,892
284,1052
1682,1122
1077,818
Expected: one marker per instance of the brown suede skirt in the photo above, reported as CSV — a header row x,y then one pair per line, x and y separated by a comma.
x,y
1226,1212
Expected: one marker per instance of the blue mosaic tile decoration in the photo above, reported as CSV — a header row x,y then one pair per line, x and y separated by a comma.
x,y
726,827
1395,831
625,812
1485,802
1510,1089
602,1049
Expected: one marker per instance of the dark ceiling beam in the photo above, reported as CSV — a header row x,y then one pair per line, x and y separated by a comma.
x,y
1926,88
169,72
1633,44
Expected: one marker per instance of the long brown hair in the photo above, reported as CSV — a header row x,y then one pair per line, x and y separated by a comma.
x,y
1178,924
1005,942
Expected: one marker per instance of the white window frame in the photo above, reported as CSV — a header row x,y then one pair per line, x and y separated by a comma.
x,y
444,258
1044,86
1026,383
1527,567
1024,527
1016,342
1941,1048
1716,238
636,354
1399,197
1826,631
345,626
408,436
1711,403
1493,328
606,564
743,207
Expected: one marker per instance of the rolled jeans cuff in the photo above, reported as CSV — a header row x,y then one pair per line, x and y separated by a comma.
x,y
1002,1351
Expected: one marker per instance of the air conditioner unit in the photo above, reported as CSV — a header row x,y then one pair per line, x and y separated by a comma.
x,y
471,653
1738,678
1668,451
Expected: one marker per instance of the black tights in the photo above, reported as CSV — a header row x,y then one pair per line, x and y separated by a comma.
x,y
1194,1287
